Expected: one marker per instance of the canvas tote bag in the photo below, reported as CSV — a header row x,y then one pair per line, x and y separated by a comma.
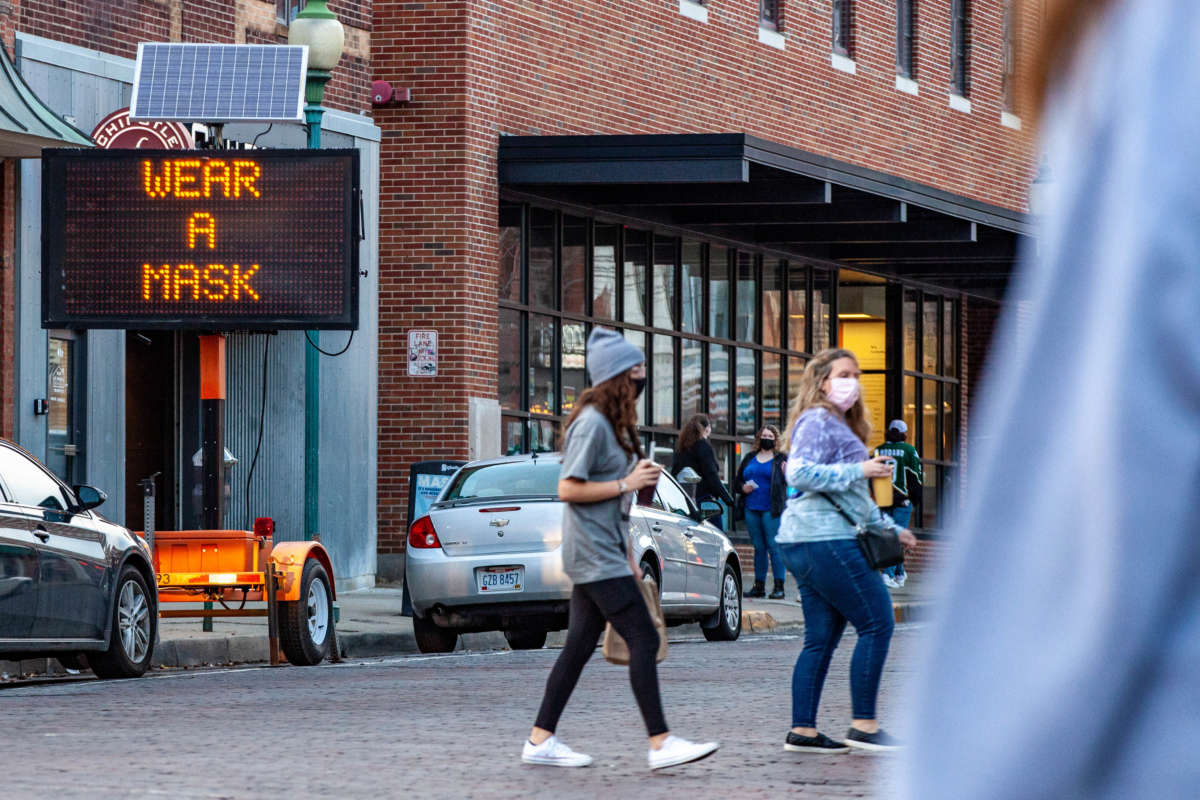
x,y
615,649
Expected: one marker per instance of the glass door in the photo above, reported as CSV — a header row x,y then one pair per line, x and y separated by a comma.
x,y
63,431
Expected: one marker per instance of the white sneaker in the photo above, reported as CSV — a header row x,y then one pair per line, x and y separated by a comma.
x,y
676,751
890,582
553,753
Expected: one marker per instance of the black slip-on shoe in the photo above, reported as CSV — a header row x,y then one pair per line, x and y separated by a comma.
x,y
813,744
877,741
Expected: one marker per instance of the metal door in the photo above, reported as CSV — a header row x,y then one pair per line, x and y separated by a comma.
x,y
668,540
696,545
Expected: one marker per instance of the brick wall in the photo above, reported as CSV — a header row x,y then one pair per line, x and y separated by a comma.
x,y
116,26
478,70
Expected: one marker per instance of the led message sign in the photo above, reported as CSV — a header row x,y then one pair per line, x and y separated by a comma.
x,y
201,240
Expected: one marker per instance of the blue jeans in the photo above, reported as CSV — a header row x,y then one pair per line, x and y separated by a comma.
x,y
901,515
837,585
763,528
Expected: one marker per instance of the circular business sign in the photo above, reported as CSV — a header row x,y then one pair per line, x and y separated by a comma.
x,y
118,131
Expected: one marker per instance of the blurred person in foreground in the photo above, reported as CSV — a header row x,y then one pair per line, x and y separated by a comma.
x,y
1064,664
828,462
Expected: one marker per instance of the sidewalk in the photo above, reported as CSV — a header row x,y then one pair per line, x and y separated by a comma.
x,y
371,625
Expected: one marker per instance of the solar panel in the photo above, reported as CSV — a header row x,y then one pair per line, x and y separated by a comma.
x,y
219,82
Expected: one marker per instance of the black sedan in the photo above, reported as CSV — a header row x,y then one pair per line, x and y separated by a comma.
x,y
73,586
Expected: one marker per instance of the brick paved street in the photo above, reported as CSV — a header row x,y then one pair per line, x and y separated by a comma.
x,y
446,727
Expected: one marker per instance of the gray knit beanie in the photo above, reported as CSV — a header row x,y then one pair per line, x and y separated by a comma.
x,y
609,354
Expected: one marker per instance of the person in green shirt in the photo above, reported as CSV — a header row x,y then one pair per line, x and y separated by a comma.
x,y
906,486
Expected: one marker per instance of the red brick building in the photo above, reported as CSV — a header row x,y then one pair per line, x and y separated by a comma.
x,y
110,407
558,167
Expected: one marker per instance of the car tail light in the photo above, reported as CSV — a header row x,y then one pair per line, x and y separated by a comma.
x,y
264,527
422,535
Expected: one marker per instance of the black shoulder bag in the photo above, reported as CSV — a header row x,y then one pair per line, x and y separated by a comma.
x,y
880,546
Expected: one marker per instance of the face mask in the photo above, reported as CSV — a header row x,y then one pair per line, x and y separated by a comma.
x,y
843,392
766,444
640,385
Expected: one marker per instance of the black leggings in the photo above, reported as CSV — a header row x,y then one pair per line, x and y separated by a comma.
x,y
619,601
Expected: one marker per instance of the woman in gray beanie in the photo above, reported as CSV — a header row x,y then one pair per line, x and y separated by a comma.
x,y
603,467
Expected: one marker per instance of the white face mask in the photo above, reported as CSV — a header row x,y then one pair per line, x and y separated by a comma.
x,y
843,392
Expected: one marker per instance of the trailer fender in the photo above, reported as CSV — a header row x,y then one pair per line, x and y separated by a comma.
x,y
289,559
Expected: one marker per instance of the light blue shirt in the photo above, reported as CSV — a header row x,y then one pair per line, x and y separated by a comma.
x,y
826,456
1066,661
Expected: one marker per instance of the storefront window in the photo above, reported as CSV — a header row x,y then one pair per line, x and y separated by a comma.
x,y
692,286
692,378
541,258
662,449
637,256
508,274
604,271
718,388
949,354
930,332
930,403
747,299
795,370
541,364
718,292
543,435
822,296
638,340
663,298
574,265
573,340
512,435
910,330
772,390
664,381
910,410
797,326
746,392
508,358
949,422
772,302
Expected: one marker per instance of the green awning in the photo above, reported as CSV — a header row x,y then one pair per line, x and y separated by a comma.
x,y
26,124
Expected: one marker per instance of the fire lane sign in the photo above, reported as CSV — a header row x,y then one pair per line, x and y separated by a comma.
x,y
200,240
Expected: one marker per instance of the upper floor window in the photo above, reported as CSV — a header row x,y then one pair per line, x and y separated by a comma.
x,y
286,10
841,28
905,37
959,47
768,14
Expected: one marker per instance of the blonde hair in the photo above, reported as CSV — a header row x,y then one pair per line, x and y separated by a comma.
x,y
811,395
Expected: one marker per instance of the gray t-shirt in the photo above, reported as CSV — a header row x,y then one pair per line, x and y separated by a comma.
x,y
595,535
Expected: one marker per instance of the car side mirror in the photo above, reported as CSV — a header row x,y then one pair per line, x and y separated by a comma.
x,y
709,508
89,497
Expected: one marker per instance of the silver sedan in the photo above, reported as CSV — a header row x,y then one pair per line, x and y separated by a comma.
x,y
487,557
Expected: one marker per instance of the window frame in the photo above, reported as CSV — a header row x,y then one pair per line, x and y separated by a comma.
x,y
842,20
960,36
770,14
906,39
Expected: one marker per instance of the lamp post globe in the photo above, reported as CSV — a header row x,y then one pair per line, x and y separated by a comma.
x,y
318,27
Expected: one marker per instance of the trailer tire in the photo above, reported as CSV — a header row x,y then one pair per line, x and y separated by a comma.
x,y
306,625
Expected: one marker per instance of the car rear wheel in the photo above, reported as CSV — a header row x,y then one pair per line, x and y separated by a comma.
x,y
306,625
526,639
432,638
131,643
729,615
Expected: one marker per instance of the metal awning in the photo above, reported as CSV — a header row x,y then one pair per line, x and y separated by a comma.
x,y
737,187
26,124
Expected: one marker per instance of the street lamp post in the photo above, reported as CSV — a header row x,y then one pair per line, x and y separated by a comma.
x,y
318,28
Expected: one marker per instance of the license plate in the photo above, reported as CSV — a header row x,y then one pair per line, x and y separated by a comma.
x,y
495,580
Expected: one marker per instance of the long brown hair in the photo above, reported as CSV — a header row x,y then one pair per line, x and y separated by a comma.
x,y
811,395
692,432
1063,25
616,399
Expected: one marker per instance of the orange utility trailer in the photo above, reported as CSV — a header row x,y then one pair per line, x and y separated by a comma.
x,y
231,568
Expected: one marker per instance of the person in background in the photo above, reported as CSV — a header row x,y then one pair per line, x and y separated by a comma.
x,y
906,487
828,462
603,467
762,496
1063,659
694,451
